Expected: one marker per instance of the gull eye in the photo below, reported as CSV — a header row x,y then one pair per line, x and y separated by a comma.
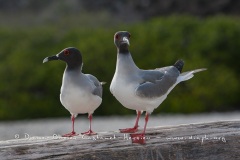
x,y
66,52
117,36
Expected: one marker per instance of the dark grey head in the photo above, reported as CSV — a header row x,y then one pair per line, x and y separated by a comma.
x,y
121,40
72,56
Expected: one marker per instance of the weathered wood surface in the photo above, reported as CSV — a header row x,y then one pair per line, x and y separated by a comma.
x,y
210,141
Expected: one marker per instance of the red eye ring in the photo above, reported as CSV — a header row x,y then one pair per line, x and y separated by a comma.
x,y
117,36
66,52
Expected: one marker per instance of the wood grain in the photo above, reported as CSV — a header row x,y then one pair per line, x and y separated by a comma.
x,y
215,141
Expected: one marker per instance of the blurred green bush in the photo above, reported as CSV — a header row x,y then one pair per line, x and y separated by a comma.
x,y
30,89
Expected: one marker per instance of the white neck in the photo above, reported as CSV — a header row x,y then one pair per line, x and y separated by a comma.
x,y
125,64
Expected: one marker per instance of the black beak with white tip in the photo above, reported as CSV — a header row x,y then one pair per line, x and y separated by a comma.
x,y
51,58
125,41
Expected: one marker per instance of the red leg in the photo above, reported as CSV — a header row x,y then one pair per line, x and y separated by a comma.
x,y
73,133
135,128
90,132
140,138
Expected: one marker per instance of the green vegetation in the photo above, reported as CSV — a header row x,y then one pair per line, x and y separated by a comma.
x,y
30,89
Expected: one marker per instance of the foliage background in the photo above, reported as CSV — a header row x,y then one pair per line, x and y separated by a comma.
x,y
30,89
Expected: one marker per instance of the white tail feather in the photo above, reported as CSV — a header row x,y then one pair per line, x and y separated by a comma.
x,y
188,75
102,83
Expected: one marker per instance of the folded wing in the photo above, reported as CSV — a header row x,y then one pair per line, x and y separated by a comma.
x,y
98,85
157,82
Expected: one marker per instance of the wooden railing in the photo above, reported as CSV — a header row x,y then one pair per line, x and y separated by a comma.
x,y
213,141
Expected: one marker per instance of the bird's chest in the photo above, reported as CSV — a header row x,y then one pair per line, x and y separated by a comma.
x,y
123,90
70,89
73,94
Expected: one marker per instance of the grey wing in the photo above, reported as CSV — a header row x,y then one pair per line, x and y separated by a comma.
x,y
98,90
151,75
152,89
